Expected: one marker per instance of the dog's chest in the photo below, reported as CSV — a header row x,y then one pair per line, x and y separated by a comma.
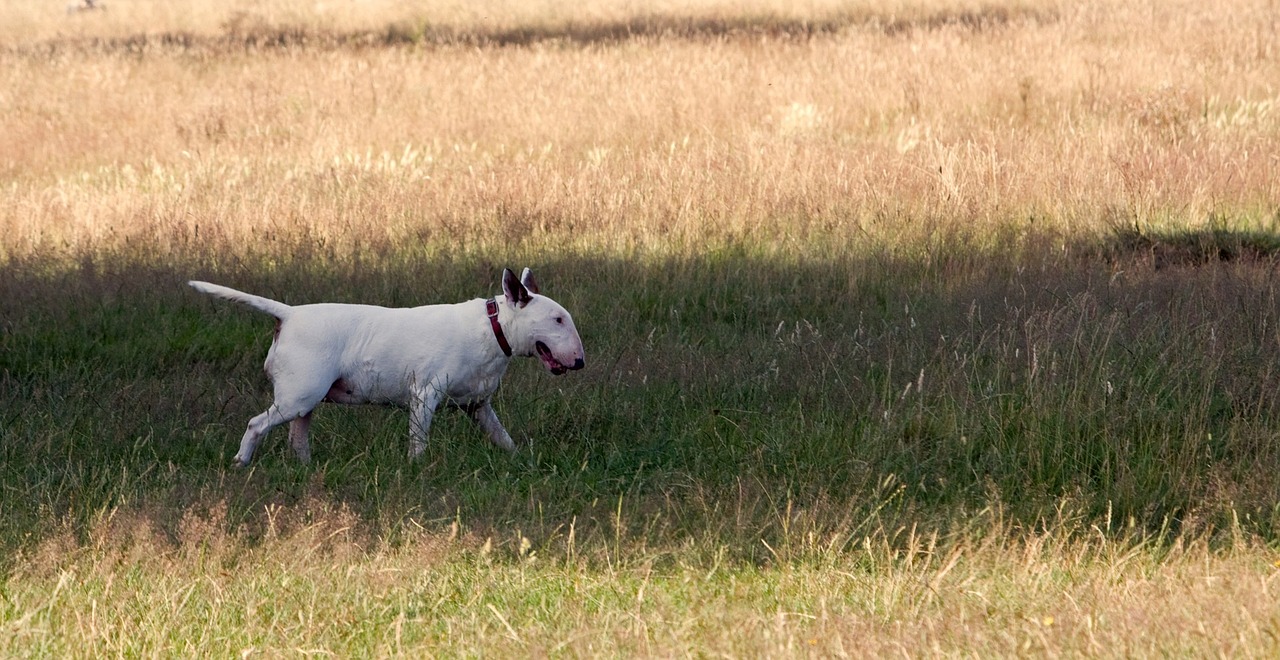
x,y
477,384
458,380
477,390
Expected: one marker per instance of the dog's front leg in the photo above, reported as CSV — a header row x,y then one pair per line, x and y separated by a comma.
x,y
488,420
422,407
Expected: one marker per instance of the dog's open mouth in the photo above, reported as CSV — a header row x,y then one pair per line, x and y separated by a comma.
x,y
553,365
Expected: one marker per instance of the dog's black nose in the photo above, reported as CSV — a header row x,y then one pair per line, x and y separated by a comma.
x,y
578,364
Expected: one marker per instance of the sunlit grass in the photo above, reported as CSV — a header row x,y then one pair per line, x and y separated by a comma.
x,y
1061,590
861,135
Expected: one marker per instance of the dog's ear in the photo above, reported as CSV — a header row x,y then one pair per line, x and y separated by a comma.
x,y
516,292
526,278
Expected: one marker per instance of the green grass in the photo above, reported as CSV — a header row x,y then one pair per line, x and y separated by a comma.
x,y
766,451
1019,378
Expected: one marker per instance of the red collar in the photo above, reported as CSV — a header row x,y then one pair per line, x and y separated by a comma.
x,y
491,308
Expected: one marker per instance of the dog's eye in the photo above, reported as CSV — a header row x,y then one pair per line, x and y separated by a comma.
x,y
560,320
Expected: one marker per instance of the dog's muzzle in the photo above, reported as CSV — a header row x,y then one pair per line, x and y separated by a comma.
x,y
555,366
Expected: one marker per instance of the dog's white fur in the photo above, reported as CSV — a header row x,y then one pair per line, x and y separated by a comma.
x,y
419,357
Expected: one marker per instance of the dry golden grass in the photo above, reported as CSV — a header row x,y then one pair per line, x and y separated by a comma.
x,y
1082,117
318,589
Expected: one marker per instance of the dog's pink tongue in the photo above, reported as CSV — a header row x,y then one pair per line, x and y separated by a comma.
x,y
553,365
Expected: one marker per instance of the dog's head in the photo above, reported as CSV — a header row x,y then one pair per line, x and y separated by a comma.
x,y
540,326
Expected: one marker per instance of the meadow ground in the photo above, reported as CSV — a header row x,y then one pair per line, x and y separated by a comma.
x,y
919,328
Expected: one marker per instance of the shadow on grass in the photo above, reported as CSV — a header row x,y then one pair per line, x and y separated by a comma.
x,y
1162,249
246,32
731,402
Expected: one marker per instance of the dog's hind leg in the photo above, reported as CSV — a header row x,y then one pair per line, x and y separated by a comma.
x,y
295,397
259,426
298,430
288,407
484,415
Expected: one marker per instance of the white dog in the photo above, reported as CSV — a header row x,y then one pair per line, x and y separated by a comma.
x,y
414,356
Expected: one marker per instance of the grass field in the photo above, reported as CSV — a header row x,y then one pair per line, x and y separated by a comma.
x,y
914,329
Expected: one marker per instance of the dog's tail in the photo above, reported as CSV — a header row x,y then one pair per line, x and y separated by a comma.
x,y
276,309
